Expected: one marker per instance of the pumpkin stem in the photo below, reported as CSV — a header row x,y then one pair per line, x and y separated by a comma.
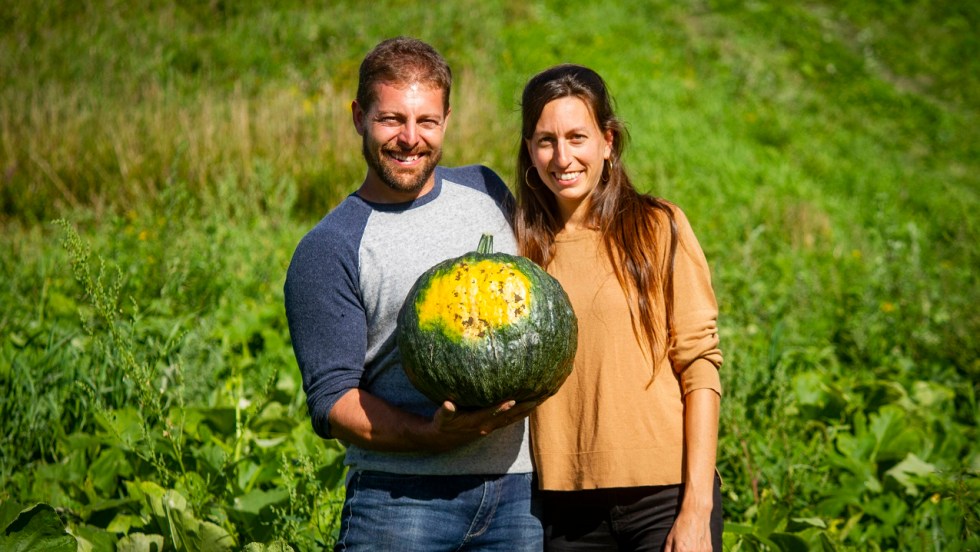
x,y
486,244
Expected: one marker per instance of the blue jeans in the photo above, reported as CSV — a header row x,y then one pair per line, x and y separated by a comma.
x,y
385,511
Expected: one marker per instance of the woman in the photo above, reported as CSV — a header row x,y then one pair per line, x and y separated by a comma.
x,y
625,451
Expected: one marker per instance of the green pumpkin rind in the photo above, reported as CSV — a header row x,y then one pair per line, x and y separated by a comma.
x,y
526,361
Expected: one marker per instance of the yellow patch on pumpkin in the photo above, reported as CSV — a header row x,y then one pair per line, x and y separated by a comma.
x,y
473,298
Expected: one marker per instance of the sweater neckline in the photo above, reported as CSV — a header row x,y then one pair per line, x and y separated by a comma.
x,y
581,234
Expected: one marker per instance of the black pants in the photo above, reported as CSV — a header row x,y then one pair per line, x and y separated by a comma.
x,y
633,518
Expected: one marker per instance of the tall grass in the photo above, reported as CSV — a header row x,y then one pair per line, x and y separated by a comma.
x,y
826,153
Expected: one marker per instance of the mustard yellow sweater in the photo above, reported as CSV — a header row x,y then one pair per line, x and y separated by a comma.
x,y
613,424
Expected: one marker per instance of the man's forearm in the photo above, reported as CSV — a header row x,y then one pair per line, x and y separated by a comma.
x,y
364,420
369,422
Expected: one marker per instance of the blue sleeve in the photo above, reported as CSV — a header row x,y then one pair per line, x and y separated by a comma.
x,y
326,317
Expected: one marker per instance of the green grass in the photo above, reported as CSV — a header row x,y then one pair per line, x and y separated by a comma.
x,y
826,153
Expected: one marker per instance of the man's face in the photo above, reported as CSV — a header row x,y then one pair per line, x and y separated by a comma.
x,y
402,134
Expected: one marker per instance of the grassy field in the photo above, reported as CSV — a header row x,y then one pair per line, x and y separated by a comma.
x,y
160,160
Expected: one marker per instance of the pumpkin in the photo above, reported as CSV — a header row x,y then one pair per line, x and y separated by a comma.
x,y
487,327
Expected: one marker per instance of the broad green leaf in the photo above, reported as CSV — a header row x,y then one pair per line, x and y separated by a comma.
x,y
153,495
906,471
93,539
105,507
809,388
161,498
253,501
80,440
111,464
799,523
877,394
173,500
126,424
857,465
212,457
771,517
37,528
817,396
9,510
930,394
845,496
191,484
123,522
824,544
140,542
134,489
220,419
269,443
277,546
888,508
894,435
247,472
739,528
789,542
858,446
208,537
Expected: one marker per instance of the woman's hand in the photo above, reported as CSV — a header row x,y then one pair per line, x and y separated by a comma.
x,y
691,532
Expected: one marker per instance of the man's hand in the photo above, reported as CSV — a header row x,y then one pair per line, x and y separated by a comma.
x,y
369,422
455,428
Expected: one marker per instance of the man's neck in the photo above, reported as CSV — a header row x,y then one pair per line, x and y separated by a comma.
x,y
376,191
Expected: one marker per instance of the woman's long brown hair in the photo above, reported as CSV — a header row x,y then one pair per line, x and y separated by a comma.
x,y
629,222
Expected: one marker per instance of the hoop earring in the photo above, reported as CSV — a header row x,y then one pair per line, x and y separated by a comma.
x,y
528,180
608,172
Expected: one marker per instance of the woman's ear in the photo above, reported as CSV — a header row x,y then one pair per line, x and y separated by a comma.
x,y
609,144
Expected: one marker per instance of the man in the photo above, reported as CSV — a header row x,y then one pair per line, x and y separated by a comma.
x,y
422,476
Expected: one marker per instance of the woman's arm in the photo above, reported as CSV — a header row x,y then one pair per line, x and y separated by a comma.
x,y
692,529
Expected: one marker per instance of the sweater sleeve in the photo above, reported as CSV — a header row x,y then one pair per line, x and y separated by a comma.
x,y
694,342
327,323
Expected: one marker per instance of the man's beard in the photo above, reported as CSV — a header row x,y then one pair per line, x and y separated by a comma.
x,y
400,181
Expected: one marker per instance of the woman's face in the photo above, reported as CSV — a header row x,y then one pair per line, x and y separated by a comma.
x,y
568,149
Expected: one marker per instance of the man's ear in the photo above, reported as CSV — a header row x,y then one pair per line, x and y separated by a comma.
x,y
357,114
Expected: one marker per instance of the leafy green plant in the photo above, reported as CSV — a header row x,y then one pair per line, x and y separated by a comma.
x,y
35,528
825,152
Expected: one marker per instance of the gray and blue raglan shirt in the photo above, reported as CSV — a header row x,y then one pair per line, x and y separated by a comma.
x,y
347,280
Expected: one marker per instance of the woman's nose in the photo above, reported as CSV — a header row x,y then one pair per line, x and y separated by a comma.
x,y
562,156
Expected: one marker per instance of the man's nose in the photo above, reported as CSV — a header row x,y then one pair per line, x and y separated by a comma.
x,y
409,134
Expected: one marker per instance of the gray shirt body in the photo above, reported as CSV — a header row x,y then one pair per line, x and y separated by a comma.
x,y
347,282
